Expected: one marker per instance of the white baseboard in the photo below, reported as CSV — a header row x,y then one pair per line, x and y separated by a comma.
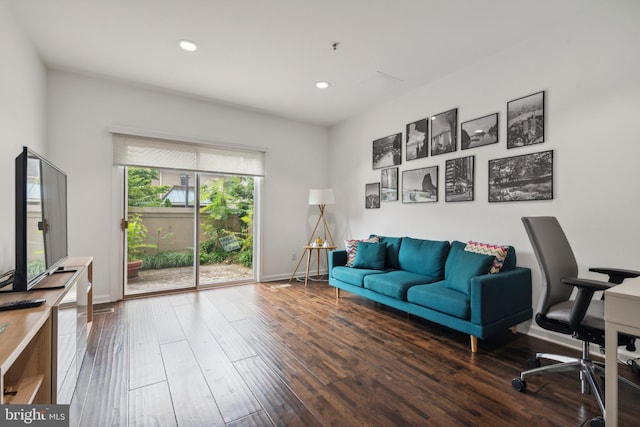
x,y
299,275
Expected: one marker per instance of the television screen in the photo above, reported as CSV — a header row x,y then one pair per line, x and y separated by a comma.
x,y
41,219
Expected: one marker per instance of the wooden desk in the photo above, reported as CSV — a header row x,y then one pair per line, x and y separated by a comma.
x,y
309,249
621,314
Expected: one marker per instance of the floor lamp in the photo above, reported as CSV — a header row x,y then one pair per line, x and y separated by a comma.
x,y
321,198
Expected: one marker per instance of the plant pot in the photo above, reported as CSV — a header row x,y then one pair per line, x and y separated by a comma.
x,y
133,267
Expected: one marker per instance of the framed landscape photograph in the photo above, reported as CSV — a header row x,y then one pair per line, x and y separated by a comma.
x,y
459,179
444,132
420,185
372,196
416,138
478,132
525,121
389,184
526,177
387,151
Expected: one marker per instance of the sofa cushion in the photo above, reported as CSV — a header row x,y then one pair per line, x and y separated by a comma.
x,y
393,248
352,276
352,248
395,283
498,252
426,257
370,255
465,266
439,297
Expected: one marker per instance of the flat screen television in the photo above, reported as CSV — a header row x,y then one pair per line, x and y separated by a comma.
x,y
41,219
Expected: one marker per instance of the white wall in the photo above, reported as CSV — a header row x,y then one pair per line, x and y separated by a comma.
x,y
589,69
80,111
22,118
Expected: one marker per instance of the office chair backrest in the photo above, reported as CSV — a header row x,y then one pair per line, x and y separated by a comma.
x,y
555,257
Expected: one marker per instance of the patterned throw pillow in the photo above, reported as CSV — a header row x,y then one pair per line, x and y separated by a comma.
x,y
352,247
498,252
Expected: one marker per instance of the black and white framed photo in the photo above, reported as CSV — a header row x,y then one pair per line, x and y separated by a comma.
x,y
526,177
525,121
420,185
459,179
387,151
372,196
444,132
389,184
478,132
416,138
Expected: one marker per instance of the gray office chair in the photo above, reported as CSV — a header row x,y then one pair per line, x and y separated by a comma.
x,y
583,318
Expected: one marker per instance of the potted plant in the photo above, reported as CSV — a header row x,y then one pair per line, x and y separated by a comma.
x,y
136,237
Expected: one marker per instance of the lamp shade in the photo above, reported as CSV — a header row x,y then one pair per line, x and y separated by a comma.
x,y
321,197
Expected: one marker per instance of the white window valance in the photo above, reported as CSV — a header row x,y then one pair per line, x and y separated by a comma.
x,y
150,152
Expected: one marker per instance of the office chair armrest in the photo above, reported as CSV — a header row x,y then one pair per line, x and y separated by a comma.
x,y
586,289
593,285
616,275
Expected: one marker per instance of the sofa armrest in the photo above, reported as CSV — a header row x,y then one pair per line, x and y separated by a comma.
x,y
336,258
496,296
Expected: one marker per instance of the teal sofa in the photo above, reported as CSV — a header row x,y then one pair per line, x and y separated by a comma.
x,y
438,281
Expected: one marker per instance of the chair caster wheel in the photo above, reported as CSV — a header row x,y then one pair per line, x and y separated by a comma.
x,y
597,422
519,384
533,363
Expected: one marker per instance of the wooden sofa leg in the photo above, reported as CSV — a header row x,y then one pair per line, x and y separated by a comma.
x,y
474,344
514,329
337,293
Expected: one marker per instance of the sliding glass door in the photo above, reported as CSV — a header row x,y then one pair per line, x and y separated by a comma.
x,y
225,229
160,239
172,242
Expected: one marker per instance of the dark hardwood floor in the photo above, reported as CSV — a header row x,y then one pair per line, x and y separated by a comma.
x,y
259,355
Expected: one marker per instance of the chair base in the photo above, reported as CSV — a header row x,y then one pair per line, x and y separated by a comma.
x,y
584,365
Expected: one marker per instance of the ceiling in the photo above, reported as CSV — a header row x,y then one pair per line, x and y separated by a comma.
x,y
267,55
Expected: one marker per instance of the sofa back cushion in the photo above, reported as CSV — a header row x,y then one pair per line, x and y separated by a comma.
x,y
465,266
393,249
425,257
370,255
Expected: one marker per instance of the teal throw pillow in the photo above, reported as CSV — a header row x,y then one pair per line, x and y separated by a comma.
x,y
370,256
465,266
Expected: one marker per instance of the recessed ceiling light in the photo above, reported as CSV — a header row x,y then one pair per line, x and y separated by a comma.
x,y
322,85
188,45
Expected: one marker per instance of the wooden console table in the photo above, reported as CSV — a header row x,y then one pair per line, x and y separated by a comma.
x,y
29,363
621,308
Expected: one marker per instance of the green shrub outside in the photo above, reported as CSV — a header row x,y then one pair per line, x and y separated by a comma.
x,y
226,196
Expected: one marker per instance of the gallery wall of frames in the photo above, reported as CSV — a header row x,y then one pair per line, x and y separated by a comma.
x,y
511,178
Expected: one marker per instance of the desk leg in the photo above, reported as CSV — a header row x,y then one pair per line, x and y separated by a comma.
x,y
611,374
306,277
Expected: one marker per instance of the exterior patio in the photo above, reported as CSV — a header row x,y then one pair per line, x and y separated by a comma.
x,y
182,277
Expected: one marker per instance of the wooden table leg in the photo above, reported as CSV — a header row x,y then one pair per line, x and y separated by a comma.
x,y
306,277
296,269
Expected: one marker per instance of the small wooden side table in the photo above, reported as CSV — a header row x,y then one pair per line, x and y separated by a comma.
x,y
309,249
